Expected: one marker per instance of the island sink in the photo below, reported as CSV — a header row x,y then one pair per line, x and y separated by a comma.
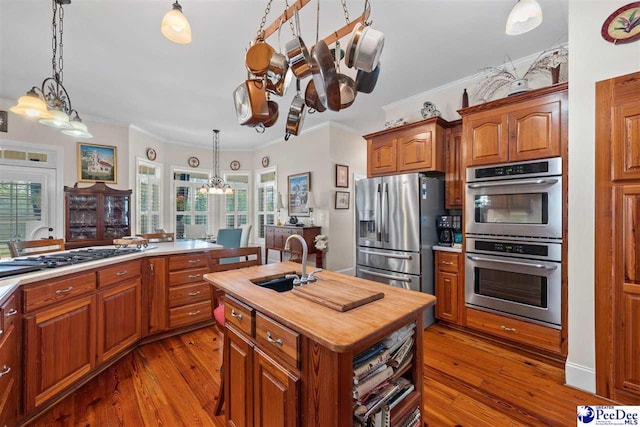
x,y
278,283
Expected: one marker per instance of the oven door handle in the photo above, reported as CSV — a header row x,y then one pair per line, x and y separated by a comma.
x,y
387,276
522,264
514,182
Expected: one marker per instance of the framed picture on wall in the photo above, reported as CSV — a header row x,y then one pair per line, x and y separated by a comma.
x,y
342,200
299,187
97,163
342,176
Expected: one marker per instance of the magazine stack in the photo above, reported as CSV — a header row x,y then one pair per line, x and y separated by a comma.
x,y
383,393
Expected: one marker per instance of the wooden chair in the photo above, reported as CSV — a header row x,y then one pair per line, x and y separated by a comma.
x,y
215,258
35,247
158,237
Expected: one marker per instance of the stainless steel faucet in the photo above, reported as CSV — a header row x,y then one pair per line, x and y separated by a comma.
x,y
305,252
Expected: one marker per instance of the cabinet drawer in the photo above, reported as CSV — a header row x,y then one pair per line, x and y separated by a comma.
x,y
191,313
239,315
46,294
448,261
181,262
9,312
189,294
8,364
278,340
187,276
118,273
516,330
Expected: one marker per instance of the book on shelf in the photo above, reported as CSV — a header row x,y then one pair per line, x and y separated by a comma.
x,y
366,386
370,364
366,376
405,409
368,353
399,335
401,354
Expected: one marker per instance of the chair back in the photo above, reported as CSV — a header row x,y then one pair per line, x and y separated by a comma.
x,y
243,255
229,238
195,231
157,237
35,247
244,237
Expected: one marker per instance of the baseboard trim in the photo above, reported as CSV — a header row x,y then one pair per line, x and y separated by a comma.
x,y
581,377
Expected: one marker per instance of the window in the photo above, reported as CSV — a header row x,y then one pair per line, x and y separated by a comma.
x,y
191,207
265,200
149,181
236,205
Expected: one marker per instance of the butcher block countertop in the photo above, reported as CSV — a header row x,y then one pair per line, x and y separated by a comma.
x,y
339,331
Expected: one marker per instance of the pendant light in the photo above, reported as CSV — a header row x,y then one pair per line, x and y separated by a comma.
x,y
216,184
51,103
524,17
175,25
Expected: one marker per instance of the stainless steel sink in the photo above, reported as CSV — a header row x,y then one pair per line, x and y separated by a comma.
x,y
278,283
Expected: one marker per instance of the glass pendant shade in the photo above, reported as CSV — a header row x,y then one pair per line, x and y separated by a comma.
x,y
175,25
524,17
78,129
58,119
31,105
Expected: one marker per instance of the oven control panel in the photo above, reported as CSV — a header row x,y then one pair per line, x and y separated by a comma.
x,y
515,248
510,170
512,248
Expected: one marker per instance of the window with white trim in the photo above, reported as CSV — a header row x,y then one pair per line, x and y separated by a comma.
x,y
236,205
149,183
266,187
191,207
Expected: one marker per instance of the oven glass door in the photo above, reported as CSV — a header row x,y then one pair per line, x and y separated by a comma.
x,y
526,288
517,207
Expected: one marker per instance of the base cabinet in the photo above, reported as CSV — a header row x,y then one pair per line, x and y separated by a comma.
x,y
448,286
238,379
10,362
118,319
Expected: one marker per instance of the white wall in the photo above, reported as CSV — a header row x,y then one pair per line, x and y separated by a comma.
x,y
592,59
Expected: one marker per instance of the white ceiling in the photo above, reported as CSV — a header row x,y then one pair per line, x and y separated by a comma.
x,y
117,65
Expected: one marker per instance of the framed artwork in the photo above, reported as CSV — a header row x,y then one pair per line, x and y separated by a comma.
x,y
342,176
342,200
299,187
623,25
97,163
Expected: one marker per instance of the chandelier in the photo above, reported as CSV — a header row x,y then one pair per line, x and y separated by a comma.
x,y
216,184
175,25
51,103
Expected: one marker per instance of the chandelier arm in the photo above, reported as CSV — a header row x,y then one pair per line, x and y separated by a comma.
x,y
56,95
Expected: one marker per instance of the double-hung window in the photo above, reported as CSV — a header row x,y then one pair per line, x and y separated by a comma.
x,y
236,205
149,180
191,207
266,183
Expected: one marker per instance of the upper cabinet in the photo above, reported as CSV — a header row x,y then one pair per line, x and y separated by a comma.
x,y
454,178
416,147
528,126
96,215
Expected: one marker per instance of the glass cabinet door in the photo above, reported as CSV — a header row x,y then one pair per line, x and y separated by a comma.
x,y
83,218
116,216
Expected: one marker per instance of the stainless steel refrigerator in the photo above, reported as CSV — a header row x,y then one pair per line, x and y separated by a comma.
x,y
396,229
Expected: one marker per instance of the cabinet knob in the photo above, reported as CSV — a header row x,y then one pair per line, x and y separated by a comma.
x,y
272,341
152,268
236,315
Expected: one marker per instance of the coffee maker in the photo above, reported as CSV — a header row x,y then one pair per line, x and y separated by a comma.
x,y
447,227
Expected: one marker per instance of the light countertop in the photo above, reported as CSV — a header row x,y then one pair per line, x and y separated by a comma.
x,y
447,249
155,249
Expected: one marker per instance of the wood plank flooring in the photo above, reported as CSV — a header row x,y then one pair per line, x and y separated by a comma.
x,y
468,382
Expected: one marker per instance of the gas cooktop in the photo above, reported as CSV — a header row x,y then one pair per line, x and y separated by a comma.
x,y
54,260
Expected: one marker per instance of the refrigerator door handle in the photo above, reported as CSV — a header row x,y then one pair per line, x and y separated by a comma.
x,y
398,256
385,212
377,213
404,280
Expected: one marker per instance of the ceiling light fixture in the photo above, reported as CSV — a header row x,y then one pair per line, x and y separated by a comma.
x,y
51,102
524,17
175,25
216,184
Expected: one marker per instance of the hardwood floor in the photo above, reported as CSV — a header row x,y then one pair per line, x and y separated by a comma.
x,y
468,382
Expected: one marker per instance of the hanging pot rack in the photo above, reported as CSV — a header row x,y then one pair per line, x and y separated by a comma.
x,y
331,38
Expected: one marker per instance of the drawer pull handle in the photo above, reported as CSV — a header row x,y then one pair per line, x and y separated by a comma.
x,y
193,294
1,332
193,276
121,273
507,329
152,268
11,312
194,313
64,291
272,341
193,261
236,315
5,371
447,262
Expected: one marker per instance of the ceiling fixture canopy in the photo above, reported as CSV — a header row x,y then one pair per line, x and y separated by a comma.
x,y
51,103
524,17
216,184
175,25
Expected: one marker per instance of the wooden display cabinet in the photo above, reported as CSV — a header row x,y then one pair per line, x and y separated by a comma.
x,y
96,215
276,236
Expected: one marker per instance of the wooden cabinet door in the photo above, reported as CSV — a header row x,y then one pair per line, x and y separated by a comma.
x,y
447,296
269,236
534,129
275,393
454,178
10,378
381,156
485,138
238,398
156,296
118,319
418,151
60,347
626,131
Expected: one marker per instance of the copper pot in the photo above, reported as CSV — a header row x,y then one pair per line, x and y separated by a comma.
x,y
258,57
311,99
273,114
250,99
295,118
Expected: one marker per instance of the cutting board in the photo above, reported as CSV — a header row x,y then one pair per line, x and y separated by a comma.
x,y
336,295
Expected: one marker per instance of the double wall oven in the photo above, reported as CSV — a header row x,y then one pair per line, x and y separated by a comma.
x,y
514,240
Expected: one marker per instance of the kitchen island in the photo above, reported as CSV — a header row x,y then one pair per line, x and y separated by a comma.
x,y
291,359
